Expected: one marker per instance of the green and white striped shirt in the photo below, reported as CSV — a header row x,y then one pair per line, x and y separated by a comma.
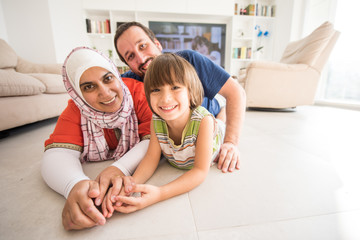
x,y
182,156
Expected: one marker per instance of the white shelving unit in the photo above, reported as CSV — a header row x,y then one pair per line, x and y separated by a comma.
x,y
246,29
240,30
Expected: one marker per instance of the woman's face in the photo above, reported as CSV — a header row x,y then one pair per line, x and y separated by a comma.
x,y
101,89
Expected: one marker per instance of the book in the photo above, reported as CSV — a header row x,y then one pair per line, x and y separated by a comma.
x,y
88,25
243,53
108,28
235,53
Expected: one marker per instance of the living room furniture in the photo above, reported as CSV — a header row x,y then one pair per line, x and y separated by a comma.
x,y
29,92
292,81
241,32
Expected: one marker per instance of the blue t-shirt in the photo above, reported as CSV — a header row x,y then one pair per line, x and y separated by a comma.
x,y
212,77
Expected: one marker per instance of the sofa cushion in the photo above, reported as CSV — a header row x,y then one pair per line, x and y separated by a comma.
x,y
25,66
53,82
13,83
8,57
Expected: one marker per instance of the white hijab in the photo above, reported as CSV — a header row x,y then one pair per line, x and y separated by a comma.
x,y
93,121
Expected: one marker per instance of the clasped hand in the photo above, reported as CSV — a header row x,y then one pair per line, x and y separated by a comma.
x,y
124,202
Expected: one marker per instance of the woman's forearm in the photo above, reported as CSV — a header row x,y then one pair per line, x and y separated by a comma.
x,y
130,160
61,169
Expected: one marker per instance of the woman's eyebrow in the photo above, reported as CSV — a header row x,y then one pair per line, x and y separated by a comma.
x,y
106,74
85,83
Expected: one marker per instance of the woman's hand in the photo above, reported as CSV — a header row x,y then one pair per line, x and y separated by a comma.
x,y
79,211
149,195
110,182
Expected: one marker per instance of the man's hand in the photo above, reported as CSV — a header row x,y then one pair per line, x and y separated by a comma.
x,y
228,158
79,211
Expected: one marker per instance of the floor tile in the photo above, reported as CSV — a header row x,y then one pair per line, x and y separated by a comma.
x,y
330,227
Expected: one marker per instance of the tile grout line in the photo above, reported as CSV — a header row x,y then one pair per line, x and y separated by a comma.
x,y
192,212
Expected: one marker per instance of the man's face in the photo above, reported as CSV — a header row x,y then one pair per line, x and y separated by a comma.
x,y
137,49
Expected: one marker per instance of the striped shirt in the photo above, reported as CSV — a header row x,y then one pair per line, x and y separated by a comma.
x,y
182,156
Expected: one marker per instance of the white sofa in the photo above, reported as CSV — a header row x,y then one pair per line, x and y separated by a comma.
x,y
29,92
292,81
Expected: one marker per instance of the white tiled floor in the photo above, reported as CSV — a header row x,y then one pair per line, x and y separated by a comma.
x,y
299,179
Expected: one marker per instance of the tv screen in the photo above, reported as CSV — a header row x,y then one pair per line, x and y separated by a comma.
x,y
205,38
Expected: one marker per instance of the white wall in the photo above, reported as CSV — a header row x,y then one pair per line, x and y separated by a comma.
x,y
43,31
3,31
47,30
68,26
29,30
289,24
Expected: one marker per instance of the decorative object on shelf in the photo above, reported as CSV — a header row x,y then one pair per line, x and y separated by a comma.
x,y
259,46
110,53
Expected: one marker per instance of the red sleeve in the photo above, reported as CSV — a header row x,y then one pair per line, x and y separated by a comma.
x,y
67,129
141,106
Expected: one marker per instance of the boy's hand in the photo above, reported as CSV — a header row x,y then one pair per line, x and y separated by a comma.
x,y
149,195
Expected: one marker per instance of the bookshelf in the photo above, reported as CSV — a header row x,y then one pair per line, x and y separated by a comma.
x,y
253,30
241,32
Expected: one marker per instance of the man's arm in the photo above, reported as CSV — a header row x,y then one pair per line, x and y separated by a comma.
x,y
229,155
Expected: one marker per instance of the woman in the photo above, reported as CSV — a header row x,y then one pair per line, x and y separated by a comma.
x,y
105,120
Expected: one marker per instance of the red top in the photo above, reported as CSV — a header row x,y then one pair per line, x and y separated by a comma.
x,y
68,130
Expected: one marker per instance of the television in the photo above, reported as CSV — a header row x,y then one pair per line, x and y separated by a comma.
x,y
205,38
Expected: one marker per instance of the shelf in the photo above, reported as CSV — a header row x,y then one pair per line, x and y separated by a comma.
x,y
240,32
241,60
100,35
241,39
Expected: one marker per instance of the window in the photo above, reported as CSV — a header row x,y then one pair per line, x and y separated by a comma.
x,y
341,80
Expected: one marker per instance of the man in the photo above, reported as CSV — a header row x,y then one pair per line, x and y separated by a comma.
x,y
137,46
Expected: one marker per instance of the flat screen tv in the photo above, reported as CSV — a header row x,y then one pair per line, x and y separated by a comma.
x,y
206,38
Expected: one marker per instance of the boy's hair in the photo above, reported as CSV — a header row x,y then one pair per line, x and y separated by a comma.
x,y
169,68
125,26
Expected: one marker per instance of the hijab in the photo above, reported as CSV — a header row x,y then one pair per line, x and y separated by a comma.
x,y
93,121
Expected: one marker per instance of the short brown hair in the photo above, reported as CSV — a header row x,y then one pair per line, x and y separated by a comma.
x,y
169,68
125,26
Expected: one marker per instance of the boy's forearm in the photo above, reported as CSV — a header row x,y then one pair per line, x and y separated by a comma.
x,y
145,169
183,184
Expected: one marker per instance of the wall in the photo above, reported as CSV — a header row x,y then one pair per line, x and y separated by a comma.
x,y
47,30
29,30
3,31
68,26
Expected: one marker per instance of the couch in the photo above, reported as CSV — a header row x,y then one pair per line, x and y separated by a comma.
x,y
29,92
293,81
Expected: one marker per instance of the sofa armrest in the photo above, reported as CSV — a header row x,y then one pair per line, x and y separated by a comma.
x,y
24,66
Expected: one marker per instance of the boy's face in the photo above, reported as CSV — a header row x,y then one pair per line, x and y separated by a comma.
x,y
137,49
171,102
